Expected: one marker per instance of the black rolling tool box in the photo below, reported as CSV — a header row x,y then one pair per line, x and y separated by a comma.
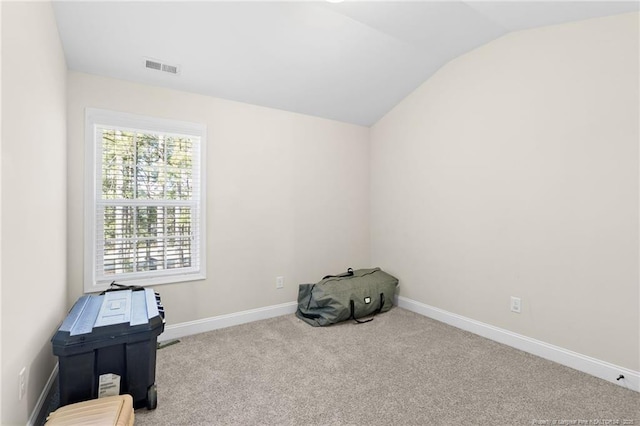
x,y
107,346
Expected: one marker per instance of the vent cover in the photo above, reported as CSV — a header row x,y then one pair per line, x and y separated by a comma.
x,y
154,64
170,68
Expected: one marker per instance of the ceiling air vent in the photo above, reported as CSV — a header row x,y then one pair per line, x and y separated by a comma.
x,y
160,66
170,68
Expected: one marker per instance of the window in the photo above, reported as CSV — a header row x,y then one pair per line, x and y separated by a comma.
x,y
144,201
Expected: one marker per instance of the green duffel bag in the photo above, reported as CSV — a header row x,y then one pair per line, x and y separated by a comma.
x,y
352,295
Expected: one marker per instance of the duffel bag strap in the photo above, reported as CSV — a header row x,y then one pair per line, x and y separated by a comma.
x,y
349,273
353,310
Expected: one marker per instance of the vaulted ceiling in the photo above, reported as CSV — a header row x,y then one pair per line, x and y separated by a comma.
x,y
351,61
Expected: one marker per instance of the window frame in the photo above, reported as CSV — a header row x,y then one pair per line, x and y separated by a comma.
x,y
94,118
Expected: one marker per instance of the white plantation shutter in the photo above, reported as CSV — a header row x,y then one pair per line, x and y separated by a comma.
x,y
145,208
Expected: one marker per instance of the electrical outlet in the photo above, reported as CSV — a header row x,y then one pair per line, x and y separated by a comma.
x,y
22,383
279,282
515,304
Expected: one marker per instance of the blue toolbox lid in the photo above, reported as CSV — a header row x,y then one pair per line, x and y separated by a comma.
x,y
111,318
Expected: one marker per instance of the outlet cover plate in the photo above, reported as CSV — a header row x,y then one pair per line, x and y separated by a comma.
x,y
516,305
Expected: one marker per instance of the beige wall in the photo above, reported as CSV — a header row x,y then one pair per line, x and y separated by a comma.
x,y
287,195
514,172
33,200
0,209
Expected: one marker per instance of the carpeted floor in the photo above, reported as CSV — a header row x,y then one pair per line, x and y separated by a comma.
x,y
400,369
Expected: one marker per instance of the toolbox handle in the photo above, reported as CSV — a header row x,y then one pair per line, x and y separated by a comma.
x,y
118,287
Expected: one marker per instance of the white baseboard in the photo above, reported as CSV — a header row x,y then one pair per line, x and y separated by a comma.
x,y
577,361
43,397
584,363
213,323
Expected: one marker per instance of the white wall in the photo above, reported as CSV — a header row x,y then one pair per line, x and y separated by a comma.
x,y
33,200
287,194
514,172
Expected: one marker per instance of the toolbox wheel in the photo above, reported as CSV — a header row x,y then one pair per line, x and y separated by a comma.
x,y
152,397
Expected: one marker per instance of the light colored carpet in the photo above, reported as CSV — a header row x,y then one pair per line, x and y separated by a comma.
x,y
400,369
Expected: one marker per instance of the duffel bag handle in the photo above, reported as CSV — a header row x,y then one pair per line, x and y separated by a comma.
x,y
349,273
377,311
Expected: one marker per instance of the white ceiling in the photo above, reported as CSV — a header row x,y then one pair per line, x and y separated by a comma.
x,y
350,61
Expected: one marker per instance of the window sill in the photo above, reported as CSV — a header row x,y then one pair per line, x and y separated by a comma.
x,y
147,282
